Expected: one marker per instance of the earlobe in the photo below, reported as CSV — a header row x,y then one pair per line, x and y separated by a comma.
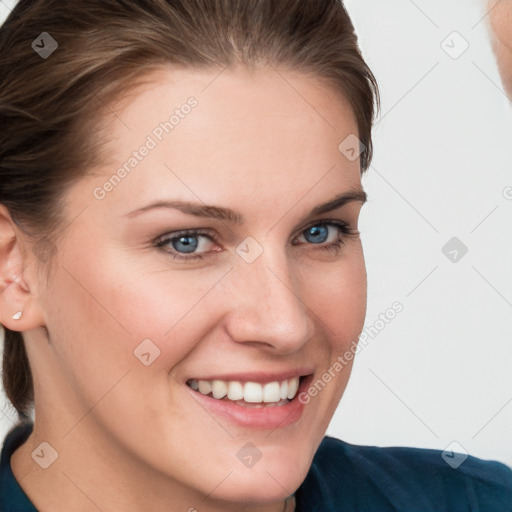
x,y
18,309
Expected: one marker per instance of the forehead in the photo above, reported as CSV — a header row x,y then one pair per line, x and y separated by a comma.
x,y
237,131
236,97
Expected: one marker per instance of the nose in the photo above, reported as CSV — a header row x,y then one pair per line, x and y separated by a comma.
x,y
266,308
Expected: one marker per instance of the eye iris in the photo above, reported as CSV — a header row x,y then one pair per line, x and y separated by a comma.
x,y
315,231
186,240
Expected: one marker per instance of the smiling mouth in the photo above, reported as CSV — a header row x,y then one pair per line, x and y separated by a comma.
x,y
249,394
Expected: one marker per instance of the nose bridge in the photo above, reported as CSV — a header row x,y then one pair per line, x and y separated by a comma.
x,y
267,306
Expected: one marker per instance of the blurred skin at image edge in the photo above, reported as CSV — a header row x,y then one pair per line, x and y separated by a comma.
x,y
500,20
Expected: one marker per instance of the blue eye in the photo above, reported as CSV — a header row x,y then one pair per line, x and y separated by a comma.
x,y
182,245
317,232
188,245
185,242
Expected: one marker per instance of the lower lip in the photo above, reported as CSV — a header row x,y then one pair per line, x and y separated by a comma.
x,y
255,417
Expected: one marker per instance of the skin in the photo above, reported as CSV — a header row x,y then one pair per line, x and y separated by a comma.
x,y
131,437
500,16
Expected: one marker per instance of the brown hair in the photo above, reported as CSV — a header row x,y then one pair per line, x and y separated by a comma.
x,y
50,107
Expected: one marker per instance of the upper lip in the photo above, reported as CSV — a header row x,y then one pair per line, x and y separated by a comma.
x,y
260,377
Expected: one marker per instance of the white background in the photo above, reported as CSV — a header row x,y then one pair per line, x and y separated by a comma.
x,y
441,371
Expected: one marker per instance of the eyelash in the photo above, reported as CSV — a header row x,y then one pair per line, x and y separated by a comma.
x,y
333,247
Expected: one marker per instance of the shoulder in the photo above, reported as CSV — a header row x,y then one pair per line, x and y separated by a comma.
x,y
12,497
404,479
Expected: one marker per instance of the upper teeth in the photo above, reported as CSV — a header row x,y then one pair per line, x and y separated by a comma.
x,y
249,391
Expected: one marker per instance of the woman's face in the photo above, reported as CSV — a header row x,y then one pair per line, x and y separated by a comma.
x,y
138,312
501,24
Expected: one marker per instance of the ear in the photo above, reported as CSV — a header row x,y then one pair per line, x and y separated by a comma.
x,y
18,278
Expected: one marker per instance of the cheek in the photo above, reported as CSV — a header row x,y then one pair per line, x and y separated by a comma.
x,y
338,296
90,341
110,306
106,316
117,330
340,303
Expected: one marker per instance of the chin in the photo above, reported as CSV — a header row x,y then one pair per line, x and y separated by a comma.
x,y
245,488
279,472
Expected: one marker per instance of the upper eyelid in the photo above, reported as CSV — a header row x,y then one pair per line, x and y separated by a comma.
x,y
331,222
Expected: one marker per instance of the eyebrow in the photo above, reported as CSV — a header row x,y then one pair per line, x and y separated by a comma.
x,y
234,217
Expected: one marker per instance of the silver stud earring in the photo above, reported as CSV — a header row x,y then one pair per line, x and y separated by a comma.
x,y
17,316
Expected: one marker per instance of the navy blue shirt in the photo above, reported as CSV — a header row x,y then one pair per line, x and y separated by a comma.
x,y
349,478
